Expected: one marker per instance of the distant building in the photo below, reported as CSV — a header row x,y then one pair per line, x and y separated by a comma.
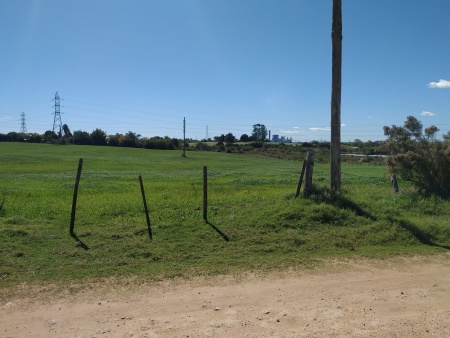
x,y
281,139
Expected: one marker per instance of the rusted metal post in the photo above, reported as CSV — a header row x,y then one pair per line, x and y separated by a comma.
x,y
145,208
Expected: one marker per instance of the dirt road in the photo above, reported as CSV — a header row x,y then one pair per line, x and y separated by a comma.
x,y
402,297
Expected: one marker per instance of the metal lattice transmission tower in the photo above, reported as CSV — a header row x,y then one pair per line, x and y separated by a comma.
x,y
23,126
57,123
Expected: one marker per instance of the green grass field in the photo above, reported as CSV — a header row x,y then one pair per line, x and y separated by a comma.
x,y
251,203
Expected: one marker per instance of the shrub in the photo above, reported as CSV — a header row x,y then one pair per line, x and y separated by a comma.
x,y
416,156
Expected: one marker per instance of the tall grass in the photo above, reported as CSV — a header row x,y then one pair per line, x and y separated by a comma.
x,y
251,203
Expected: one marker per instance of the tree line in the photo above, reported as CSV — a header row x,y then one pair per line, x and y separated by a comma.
x,y
97,137
130,139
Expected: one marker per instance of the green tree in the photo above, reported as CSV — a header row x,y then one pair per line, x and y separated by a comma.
x,y
229,138
113,140
416,156
447,136
98,137
130,139
82,137
49,136
66,131
259,132
244,138
35,138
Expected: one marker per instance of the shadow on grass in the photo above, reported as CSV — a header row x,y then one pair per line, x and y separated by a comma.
x,y
418,233
339,201
80,242
225,237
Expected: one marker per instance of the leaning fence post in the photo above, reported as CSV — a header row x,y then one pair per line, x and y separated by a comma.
x,y
394,183
205,193
309,172
299,186
145,208
75,194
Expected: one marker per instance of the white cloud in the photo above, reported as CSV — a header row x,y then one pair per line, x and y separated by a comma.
x,y
369,117
343,125
440,84
427,113
319,129
291,131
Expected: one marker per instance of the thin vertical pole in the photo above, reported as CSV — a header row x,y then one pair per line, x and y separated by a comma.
x,y
335,144
75,195
145,208
205,193
184,137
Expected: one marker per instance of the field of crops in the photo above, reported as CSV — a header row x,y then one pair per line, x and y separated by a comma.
x,y
255,222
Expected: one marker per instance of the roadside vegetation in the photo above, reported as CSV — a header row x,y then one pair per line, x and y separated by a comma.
x,y
418,156
250,201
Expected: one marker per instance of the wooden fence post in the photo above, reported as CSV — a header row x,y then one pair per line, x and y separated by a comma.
x,y
75,194
205,193
309,173
299,186
394,183
145,208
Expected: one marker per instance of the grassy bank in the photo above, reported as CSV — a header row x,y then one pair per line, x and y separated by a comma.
x,y
251,203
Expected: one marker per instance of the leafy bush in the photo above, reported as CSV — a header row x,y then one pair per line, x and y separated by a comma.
x,y
416,156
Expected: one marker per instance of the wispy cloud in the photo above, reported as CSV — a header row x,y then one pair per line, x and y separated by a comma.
x,y
427,113
440,84
5,118
295,131
343,125
319,129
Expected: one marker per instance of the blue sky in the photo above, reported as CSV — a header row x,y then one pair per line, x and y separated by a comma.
x,y
224,65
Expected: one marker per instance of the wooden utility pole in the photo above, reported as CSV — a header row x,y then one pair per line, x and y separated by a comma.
x,y
335,154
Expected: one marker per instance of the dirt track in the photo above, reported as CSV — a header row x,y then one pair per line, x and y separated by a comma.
x,y
395,298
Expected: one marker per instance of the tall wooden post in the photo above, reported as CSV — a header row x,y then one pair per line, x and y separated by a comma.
x,y
335,154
